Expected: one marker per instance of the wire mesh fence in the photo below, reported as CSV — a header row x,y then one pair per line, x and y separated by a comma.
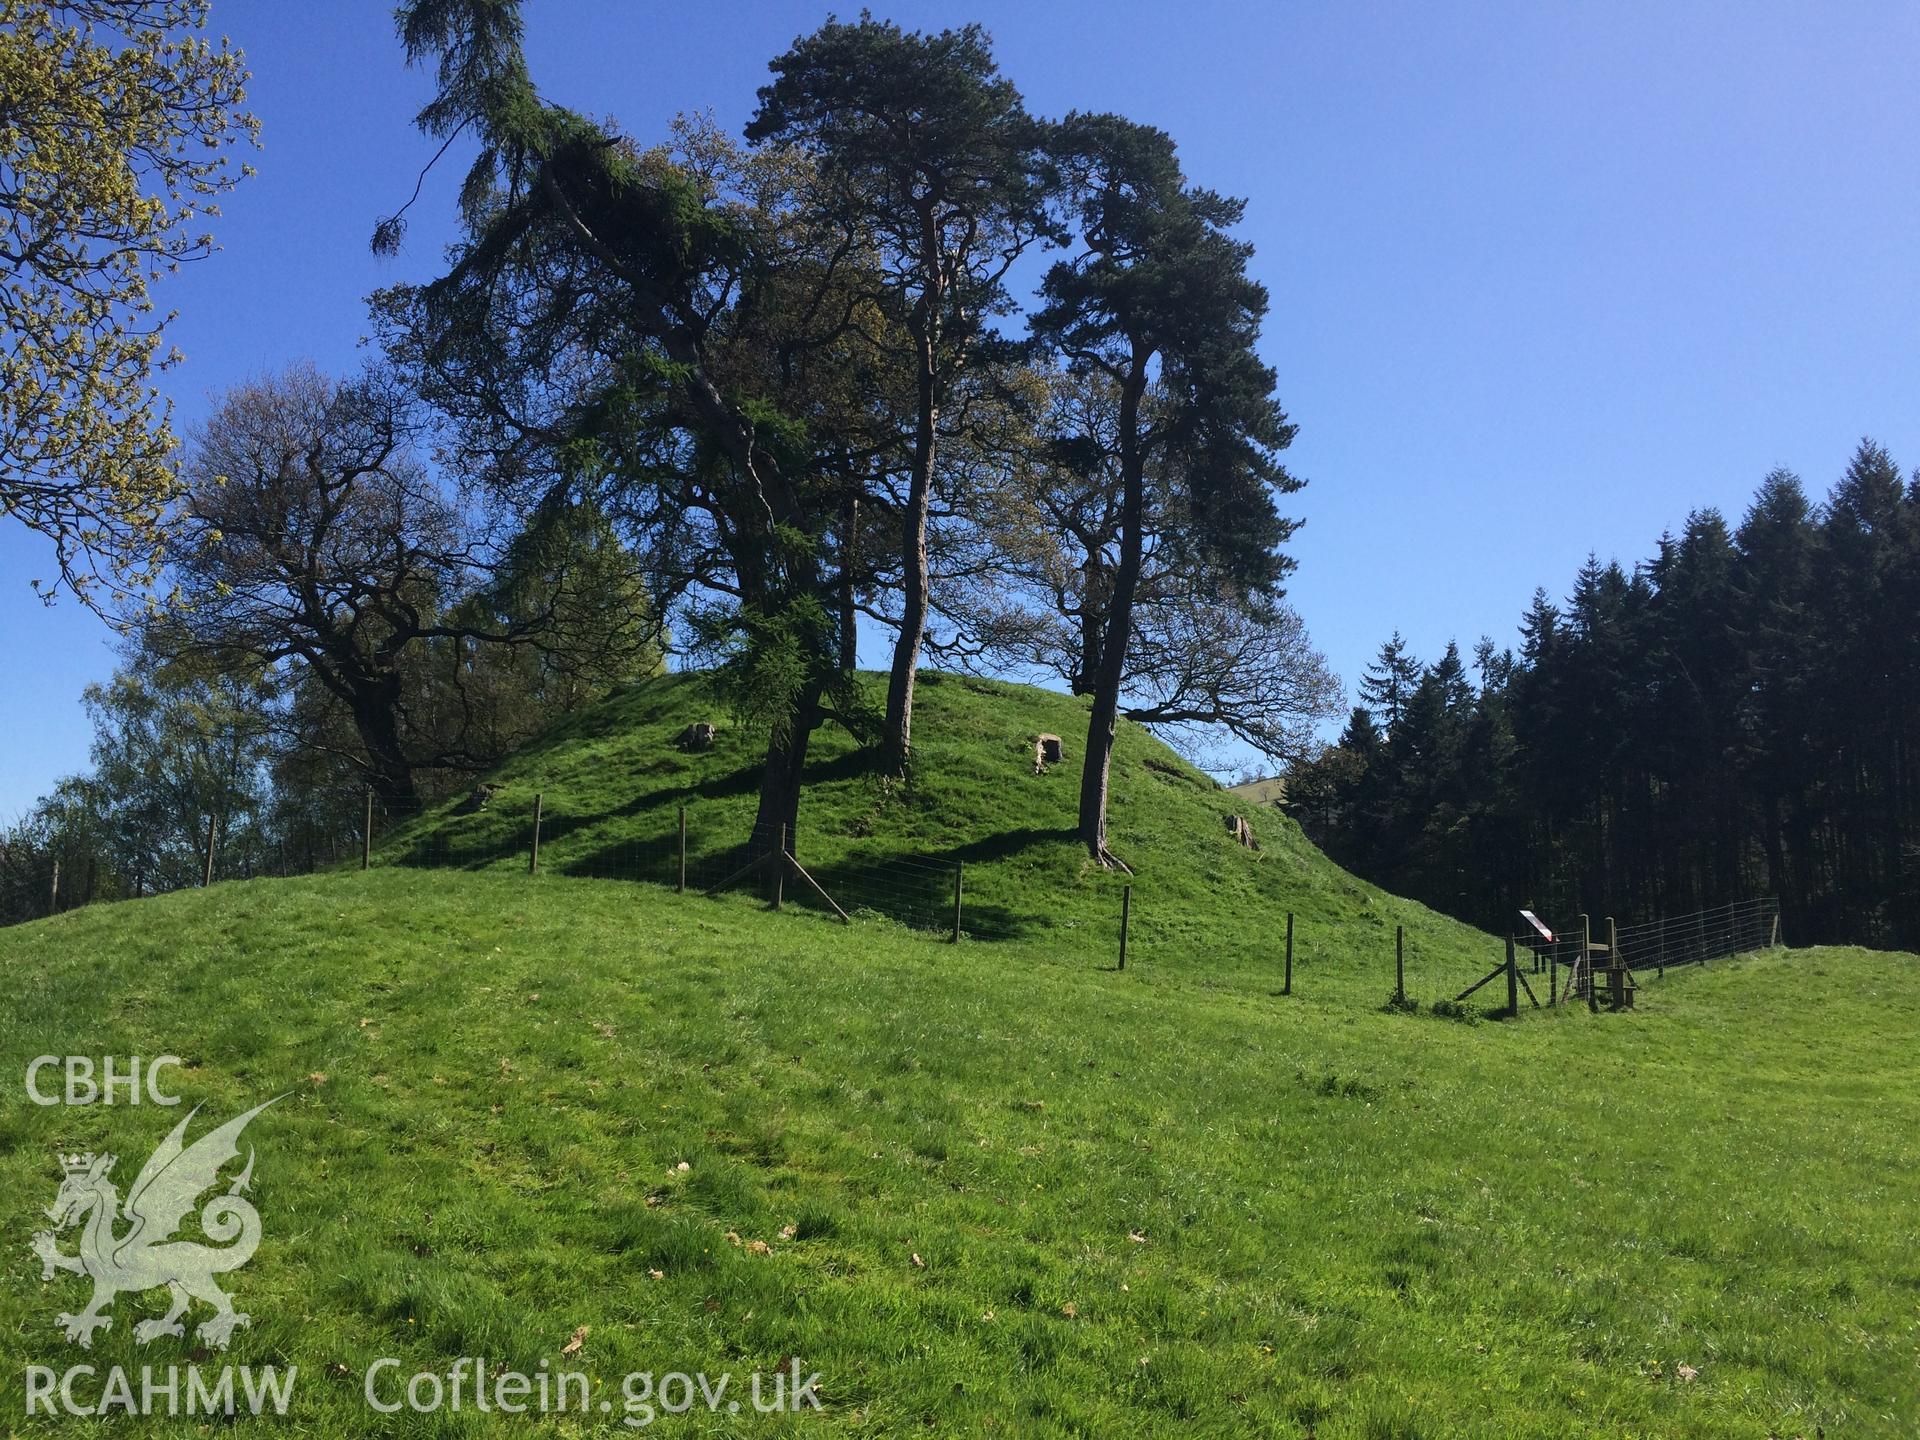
x,y
700,853
1732,929
702,845
1570,955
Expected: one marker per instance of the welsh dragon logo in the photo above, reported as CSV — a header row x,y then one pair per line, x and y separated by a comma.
x,y
146,1256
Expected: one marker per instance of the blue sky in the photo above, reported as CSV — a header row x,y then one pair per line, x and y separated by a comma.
x,y
1545,277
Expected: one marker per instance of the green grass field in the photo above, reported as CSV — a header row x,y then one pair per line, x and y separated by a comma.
x,y
994,1188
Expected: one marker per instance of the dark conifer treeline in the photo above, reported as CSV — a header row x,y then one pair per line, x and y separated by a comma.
x,y
1737,716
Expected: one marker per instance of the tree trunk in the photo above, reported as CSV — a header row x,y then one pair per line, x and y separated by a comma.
x,y
771,575
1092,625
1119,628
389,771
913,541
780,779
849,556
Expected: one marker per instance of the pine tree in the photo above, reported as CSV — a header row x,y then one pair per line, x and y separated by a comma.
x,y
1159,297
1389,682
1865,709
1773,584
930,158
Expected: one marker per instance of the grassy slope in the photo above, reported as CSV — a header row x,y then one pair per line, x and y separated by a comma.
x,y
1354,1223
613,781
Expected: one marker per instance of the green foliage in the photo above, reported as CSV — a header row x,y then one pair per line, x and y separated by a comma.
x,y
926,152
784,436
577,601
768,662
680,311
175,745
118,119
1160,290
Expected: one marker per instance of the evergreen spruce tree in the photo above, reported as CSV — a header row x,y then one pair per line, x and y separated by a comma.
x,y
1389,682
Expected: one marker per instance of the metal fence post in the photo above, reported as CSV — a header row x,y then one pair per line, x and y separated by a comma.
x,y
533,855
1126,918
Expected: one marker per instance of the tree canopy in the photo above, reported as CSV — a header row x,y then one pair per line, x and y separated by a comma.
x,y
118,119
736,398
928,158
1733,716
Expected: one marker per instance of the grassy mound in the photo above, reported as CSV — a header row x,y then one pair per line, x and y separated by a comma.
x,y
991,1190
613,781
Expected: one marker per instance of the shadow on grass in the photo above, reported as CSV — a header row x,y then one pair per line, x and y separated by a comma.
x,y
912,889
917,890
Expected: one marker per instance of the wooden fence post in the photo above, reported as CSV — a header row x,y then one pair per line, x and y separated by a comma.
x,y
53,897
780,869
1126,918
1513,981
959,881
366,833
1286,987
1553,977
680,880
533,855
1616,969
1400,964
1586,954
206,876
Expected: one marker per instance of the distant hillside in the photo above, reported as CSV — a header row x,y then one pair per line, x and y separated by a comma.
x,y
613,779
1269,792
